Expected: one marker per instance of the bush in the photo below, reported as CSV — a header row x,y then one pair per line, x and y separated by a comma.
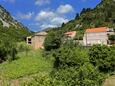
x,y
23,47
85,75
73,68
43,80
52,41
68,56
7,50
103,57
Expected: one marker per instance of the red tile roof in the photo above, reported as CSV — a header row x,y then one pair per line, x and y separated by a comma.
x,y
70,33
100,29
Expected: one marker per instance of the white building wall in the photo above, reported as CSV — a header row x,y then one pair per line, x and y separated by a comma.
x,y
95,38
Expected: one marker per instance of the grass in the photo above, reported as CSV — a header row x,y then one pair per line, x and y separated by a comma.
x,y
25,65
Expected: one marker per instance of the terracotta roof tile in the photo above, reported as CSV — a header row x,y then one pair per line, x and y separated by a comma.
x,y
100,29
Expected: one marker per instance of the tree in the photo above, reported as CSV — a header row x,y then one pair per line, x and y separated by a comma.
x,y
77,16
52,41
7,50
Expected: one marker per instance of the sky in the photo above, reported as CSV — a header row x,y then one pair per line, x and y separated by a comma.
x,y
41,14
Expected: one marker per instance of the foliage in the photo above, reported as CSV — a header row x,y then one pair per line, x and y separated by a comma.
x,y
43,79
112,37
85,75
13,33
103,57
13,29
25,65
7,50
69,55
24,47
73,67
52,41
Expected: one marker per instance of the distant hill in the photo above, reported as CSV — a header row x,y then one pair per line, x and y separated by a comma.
x,y
11,28
102,15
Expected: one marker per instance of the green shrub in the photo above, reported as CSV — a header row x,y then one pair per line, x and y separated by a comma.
x,y
70,56
43,80
23,47
103,57
85,75
7,50
73,68
52,41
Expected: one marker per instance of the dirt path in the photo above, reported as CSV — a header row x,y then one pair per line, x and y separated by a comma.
x,y
110,81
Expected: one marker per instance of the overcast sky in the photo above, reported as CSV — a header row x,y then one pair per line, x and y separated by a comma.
x,y
40,14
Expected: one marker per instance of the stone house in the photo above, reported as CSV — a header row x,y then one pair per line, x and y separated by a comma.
x,y
37,40
97,36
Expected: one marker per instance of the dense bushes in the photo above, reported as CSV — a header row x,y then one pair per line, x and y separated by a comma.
x,y
70,56
73,67
52,41
43,79
7,50
103,57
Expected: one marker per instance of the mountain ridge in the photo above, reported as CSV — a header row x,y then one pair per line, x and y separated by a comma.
x,y
11,28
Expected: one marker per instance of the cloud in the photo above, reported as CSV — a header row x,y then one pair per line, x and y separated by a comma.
x,y
45,26
25,15
45,15
55,18
59,20
50,19
42,2
65,9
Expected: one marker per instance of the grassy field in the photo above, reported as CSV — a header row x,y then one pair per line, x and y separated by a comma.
x,y
25,65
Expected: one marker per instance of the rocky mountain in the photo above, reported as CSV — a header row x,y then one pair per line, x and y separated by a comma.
x,y
11,28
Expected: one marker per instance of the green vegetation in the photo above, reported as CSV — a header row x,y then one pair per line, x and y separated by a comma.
x,y
112,37
103,57
52,41
77,65
7,50
10,34
13,30
25,65
62,62
18,34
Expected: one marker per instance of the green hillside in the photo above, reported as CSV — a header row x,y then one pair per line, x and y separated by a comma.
x,y
10,28
102,15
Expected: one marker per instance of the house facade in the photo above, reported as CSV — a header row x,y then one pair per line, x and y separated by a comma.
x,y
37,40
97,36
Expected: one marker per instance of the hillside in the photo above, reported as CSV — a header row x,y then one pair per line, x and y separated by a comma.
x,y
102,15
8,25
